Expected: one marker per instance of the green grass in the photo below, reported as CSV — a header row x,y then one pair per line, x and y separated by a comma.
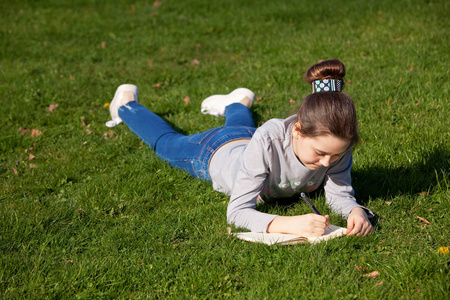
x,y
93,217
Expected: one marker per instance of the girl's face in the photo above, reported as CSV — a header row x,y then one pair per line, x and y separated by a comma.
x,y
319,151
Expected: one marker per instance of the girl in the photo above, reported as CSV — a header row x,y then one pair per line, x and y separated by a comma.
x,y
281,158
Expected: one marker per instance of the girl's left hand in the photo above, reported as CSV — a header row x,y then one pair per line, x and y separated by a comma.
x,y
358,223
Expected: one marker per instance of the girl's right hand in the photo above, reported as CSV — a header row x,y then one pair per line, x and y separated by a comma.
x,y
309,225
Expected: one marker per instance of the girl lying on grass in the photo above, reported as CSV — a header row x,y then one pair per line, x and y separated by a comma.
x,y
281,158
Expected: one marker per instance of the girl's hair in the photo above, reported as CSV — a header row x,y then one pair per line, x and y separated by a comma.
x,y
328,113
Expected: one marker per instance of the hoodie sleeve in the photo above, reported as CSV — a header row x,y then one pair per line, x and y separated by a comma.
x,y
256,165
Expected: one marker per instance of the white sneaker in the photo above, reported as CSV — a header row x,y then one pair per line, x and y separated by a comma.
x,y
124,94
215,105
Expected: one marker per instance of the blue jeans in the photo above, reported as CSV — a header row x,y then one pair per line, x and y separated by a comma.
x,y
193,152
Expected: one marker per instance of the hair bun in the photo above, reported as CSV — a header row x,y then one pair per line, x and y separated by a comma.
x,y
327,69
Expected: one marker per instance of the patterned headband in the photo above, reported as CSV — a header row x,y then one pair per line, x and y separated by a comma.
x,y
327,85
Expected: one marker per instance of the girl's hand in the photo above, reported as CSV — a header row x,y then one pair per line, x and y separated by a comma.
x,y
304,225
358,223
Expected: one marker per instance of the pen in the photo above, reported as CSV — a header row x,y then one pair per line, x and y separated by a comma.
x,y
305,198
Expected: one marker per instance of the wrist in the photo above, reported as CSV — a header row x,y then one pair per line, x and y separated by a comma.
x,y
357,209
276,225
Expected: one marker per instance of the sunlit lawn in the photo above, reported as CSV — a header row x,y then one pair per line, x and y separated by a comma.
x,y
89,212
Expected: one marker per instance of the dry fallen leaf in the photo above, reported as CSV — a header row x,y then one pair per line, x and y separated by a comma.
x,y
379,283
68,262
195,62
88,131
423,220
52,107
32,166
35,133
259,99
411,68
373,274
292,101
31,157
157,3
388,203
15,172
158,85
23,131
107,135
186,100
103,45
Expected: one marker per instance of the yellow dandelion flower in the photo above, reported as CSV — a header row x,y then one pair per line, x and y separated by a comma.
x,y
106,105
443,250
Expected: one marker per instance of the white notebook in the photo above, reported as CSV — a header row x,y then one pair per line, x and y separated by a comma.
x,y
290,239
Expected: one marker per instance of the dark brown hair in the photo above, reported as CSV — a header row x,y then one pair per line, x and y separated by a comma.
x,y
328,113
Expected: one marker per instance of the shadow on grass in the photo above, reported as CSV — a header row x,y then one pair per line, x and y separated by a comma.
x,y
381,182
418,177
377,182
